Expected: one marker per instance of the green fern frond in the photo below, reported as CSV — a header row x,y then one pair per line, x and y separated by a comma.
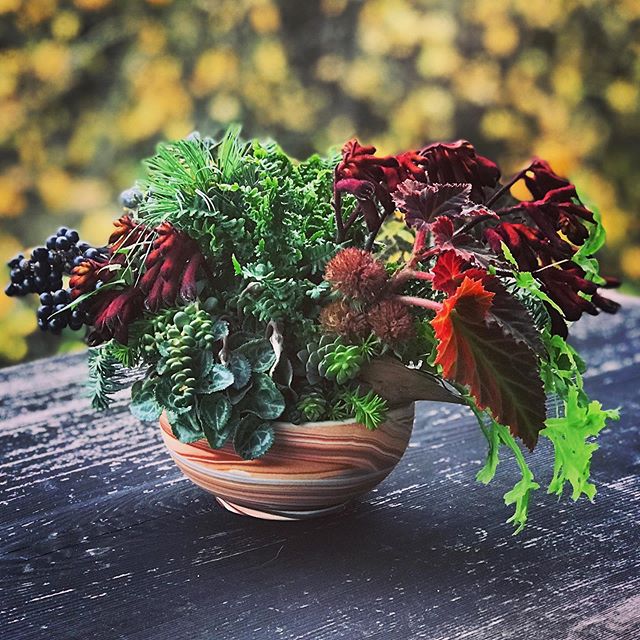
x,y
105,376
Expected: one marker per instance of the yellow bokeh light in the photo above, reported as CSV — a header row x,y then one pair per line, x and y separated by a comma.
x,y
51,62
623,96
500,37
65,25
265,18
91,5
630,261
215,68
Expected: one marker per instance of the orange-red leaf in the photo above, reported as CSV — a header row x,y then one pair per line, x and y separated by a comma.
x,y
500,371
447,272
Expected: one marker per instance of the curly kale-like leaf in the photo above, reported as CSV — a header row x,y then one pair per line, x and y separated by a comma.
x,y
498,435
570,436
562,370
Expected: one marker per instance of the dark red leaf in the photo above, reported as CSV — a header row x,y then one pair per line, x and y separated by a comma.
x,y
447,272
459,162
171,268
422,203
113,311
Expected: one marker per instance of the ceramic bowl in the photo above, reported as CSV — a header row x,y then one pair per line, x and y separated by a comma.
x,y
312,469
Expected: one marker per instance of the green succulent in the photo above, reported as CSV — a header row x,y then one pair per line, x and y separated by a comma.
x,y
342,363
333,359
179,338
312,406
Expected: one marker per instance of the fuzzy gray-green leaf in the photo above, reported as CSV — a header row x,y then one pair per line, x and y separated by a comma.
x,y
144,405
218,379
253,438
259,353
215,411
265,400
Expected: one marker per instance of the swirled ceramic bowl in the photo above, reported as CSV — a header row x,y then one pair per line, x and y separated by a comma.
x,y
312,469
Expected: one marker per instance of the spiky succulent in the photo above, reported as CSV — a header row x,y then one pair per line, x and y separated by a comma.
x,y
312,405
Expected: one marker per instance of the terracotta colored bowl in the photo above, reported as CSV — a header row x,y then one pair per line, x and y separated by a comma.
x,y
312,469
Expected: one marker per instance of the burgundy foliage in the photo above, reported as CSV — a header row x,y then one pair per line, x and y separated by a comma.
x,y
458,162
374,180
113,311
171,268
447,193
170,271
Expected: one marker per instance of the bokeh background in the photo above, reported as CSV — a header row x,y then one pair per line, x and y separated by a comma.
x,y
87,88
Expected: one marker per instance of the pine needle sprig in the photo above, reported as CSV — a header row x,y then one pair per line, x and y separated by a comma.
x,y
175,175
369,409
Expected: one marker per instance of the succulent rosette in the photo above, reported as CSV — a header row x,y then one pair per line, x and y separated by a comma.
x,y
242,287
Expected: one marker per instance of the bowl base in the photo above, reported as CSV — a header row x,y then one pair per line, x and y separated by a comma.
x,y
279,514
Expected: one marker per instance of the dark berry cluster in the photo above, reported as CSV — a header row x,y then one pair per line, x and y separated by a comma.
x,y
54,313
43,273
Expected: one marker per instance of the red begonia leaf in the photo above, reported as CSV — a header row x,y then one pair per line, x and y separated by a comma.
x,y
500,371
508,312
447,272
464,245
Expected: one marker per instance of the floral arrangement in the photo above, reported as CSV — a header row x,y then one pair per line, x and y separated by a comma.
x,y
243,288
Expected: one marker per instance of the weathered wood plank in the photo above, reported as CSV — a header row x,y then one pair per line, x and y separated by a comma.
x,y
100,537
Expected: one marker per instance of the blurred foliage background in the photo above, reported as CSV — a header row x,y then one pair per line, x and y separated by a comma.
x,y
87,87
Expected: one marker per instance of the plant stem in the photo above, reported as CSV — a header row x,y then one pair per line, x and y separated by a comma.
x,y
505,187
419,244
337,208
496,196
372,236
432,305
352,218
407,273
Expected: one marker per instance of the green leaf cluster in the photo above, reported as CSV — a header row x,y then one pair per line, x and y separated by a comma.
x,y
368,408
232,395
332,358
572,430
264,220
225,367
575,422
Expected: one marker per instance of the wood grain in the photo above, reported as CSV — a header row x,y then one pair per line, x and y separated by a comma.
x,y
102,537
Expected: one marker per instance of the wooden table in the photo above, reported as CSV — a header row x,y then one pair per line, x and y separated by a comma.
x,y
101,537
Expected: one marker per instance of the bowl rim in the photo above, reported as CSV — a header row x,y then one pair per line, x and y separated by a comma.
x,y
330,423
395,411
